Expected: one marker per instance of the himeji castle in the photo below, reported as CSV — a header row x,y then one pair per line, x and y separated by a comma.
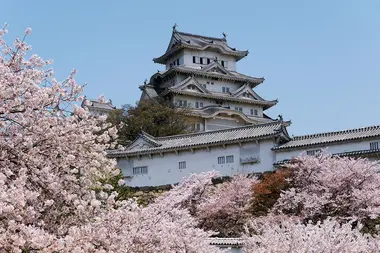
x,y
232,134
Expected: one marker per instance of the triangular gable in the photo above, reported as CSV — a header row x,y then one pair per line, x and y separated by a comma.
x,y
239,93
190,81
173,41
216,67
143,141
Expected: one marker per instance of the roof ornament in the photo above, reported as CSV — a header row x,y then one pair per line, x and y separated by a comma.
x,y
175,27
224,35
145,81
280,118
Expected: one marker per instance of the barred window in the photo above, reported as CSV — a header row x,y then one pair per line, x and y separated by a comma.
x,y
140,170
229,159
313,152
374,145
182,165
221,160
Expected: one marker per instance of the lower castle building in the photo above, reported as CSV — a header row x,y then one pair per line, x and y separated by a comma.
x,y
151,161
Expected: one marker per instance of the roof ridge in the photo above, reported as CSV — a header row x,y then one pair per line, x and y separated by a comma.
x,y
215,131
199,36
323,134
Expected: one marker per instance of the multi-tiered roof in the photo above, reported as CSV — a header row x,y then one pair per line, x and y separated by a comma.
x,y
213,70
181,40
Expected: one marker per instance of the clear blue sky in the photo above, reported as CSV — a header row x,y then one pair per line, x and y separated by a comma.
x,y
321,59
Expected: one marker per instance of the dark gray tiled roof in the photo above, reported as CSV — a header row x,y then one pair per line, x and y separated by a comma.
x,y
233,75
211,138
331,137
149,91
198,42
266,104
363,153
211,111
98,105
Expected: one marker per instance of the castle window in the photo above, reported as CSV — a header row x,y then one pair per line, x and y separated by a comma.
x,y
140,170
177,61
374,145
226,89
194,59
182,165
254,112
229,159
239,109
313,152
208,60
201,60
197,104
221,160
201,104
197,126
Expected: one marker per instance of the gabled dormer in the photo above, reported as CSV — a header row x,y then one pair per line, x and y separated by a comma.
x,y
245,91
215,67
190,84
143,141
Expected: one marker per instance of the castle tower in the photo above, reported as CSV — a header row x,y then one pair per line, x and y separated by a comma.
x,y
200,75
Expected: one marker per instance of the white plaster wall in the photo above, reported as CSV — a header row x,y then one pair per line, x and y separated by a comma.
x,y
218,84
188,58
331,148
164,170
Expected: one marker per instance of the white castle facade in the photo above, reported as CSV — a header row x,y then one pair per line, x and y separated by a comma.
x,y
232,133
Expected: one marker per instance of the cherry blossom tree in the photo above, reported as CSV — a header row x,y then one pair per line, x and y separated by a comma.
x,y
52,157
281,234
325,186
224,207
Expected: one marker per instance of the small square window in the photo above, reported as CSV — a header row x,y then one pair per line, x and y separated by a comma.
x,y
182,165
229,159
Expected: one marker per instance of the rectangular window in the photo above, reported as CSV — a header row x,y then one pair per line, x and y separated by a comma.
x,y
140,170
221,160
177,62
196,104
225,64
194,59
201,60
185,103
240,109
226,89
313,152
252,112
229,159
182,165
374,145
179,102
208,60
201,104
198,126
